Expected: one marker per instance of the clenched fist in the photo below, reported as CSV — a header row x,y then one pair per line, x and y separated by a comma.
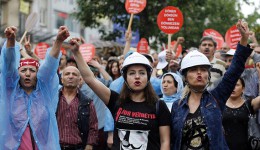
x,y
63,34
10,32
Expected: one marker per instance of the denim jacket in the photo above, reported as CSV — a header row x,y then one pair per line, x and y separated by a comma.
x,y
212,104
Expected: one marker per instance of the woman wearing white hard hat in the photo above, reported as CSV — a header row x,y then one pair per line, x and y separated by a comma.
x,y
196,117
140,121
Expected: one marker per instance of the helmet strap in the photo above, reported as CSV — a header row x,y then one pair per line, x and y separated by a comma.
x,y
148,80
128,86
132,89
197,91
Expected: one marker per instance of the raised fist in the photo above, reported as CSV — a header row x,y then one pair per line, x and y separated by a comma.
x,y
63,34
243,29
180,40
10,32
74,43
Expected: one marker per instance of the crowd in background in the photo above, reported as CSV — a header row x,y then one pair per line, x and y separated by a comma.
x,y
198,100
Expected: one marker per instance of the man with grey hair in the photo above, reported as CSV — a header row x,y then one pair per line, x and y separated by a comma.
x,y
208,47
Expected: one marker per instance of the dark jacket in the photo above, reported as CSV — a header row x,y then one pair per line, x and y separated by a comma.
x,y
83,116
212,104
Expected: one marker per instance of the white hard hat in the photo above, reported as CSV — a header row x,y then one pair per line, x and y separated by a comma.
x,y
231,52
162,60
194,58
136,58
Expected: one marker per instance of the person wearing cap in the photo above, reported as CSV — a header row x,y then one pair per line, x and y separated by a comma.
x,y
196,117
141,121
208,47
162,63
167,60
29,97
228,56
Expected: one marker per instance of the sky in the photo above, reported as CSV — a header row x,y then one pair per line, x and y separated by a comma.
x,y
246,9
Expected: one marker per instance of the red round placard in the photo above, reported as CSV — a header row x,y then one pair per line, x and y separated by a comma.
x,y
87,51
135,6
41,49
142,46
170,20
232,37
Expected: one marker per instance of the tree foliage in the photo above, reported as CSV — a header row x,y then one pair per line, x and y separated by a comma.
x,y
198,16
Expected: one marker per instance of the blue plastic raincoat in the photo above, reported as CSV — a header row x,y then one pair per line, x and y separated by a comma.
x,y
36,109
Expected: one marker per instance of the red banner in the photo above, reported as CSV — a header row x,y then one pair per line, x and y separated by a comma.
x,y
87,51
216,35
135,6
232,37
142,46
41,49
170,20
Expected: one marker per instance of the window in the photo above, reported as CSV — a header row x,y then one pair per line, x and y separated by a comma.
x,y
43,13
67,20
61,17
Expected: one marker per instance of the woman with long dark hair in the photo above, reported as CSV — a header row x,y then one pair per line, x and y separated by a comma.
x,y
141,121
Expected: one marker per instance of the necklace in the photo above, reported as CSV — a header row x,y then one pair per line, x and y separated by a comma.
x,y
237,104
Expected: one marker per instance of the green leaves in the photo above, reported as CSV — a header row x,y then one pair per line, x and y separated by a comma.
x,y
198,16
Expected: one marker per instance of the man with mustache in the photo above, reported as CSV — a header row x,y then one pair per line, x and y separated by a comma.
x,y
208,47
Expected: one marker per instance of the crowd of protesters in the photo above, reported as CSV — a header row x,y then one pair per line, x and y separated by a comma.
x,y
200,100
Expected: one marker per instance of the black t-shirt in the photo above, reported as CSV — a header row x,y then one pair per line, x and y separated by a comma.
x,y
235,123
137,124
194,133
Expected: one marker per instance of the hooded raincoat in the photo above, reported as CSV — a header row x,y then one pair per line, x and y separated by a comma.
x,y
36,109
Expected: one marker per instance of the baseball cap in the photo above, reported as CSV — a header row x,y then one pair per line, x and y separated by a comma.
x,y
162,60
231,52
